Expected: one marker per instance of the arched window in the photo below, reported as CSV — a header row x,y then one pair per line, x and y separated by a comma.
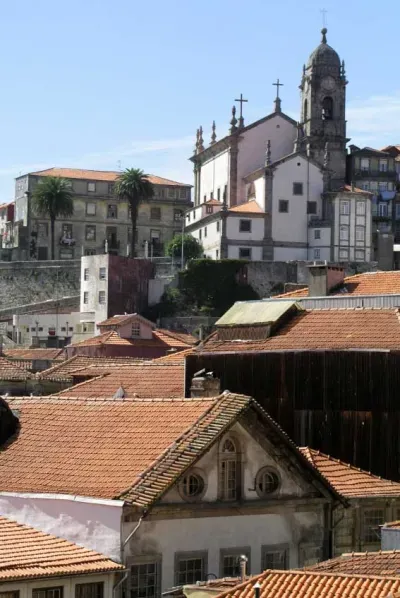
x,y
229,470
251,191
327,108
305,111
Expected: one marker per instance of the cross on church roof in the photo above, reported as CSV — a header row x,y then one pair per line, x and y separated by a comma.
x,y
324,12
241,101
278,84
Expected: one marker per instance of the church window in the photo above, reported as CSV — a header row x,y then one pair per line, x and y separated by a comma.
x,y
344,208
305,111
245,226
192,486
229,471
344,233
283,206
209,209
244,253
327,108
317,254
267,481
251,192
297,188
311,207
383,165
205,231
317,233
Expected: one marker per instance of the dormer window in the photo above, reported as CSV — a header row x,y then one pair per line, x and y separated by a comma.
x,y
229,470
135,330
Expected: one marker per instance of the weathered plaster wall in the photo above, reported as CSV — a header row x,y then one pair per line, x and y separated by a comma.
x,y
68,584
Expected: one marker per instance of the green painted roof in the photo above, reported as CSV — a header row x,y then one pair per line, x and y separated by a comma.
x,y
251,313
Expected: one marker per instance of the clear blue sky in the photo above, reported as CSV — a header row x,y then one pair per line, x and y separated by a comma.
x,y
89,83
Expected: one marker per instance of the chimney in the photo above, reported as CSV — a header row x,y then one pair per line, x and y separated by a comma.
x,y
243,562
8,422
204,385
324,278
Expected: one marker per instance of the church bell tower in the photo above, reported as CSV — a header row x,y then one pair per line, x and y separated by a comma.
x,y
323,110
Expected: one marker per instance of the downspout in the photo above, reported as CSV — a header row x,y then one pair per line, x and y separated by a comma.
x,y
124,543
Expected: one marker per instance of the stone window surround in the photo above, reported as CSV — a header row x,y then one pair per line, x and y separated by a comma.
x,y
245,225
53,592
235,552
274,549
135,561
187,556
283,206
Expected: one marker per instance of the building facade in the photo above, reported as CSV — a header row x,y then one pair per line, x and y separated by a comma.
x,y
100,221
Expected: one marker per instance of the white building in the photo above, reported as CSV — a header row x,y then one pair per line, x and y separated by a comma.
x,y
275,189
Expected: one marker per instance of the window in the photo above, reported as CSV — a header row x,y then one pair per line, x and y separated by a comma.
x,y
382,186
192,485
9,594
245,226
155,214
383,210
89,590
251,191
360,233
145,580
229,482
344,208
90,209
317,254
311,207
317,233
200,234
225,195
360,255
205,198
267,481
230,561
274,557
305,111
66,254
111,188
102,273
91,187
360,208
343,254
178,215
297,188
283,206
372,519
344,233
135,330
190,567
40,329
383,165
209,210
112,211
171,193
219,194
365,164
244,253
85,297
218,224
205,232
366,186
102,297
90,252
43,229
48,593
86,274
90,232
182,193
327,108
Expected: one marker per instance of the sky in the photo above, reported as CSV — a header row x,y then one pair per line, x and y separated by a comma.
x,y
110,84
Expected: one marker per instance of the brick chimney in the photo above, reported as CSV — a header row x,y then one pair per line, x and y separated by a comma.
x,y
204,385
8,422
324,278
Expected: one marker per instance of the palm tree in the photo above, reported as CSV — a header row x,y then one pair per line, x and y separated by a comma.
x,y
134,186
52,198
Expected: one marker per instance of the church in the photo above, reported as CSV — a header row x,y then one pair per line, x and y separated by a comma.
x,y
275,189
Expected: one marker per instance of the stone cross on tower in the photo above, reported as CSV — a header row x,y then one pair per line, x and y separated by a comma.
x,y
241,101
324,12
278,84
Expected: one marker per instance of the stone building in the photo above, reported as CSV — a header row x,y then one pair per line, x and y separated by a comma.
x,y
100,220
275,189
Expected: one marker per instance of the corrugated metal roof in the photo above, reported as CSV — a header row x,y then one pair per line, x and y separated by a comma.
x,y
345,301
248,313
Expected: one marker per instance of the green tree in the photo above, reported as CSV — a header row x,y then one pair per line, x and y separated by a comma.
x,y
134,186
52,199
192,249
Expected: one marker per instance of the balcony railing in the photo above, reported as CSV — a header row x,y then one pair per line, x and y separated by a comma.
x,y
390,175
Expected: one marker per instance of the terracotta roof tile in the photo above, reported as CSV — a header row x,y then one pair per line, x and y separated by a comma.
x,y
146,380
349,481
82,365
394,524
213,202
160,338
384,563
313,584
369,283
45,354
320,329
175,357
109,449
175,339
249,207
11,371
101,175
27,553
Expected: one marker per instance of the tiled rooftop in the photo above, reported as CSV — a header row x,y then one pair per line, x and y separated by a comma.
x,y
145,380
101,175
349,481
175,357
81,365
249,207
11,371
322,329
369,283
385,563
134,449
45,354
160,338
312,584
27,553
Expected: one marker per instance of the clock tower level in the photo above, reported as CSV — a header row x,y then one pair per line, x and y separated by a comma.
x,y
323,110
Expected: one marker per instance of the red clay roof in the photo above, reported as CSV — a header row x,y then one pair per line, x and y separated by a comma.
x,y
101,175
385,563
27,553
147,380
160,338
249,207
313,584
353,328
45,354
369,283
81,365
11,371
132,449
213,202
349,481
175,357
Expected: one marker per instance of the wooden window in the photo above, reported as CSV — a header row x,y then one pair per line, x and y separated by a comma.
x,y
344,233
245,226
48,592
230,561
317,254
229,482
360,208
209,209
89,590
192,485
135,331
171,193
267,481
360,233
182,194
275,557
145,578
190,567
365,164
383,165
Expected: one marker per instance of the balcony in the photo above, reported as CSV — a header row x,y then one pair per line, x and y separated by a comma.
x,y
389,175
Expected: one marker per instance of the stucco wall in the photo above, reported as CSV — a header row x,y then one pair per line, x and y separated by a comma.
x,y
67,583
233,228
214,176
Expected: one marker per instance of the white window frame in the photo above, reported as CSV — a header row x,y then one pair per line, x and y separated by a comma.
x,y
343,254
345,207
360,233
102,297
91,187
383,165
343,232
317,254
317,233
360,208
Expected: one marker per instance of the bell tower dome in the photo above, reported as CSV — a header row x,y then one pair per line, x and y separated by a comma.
x,y
323,108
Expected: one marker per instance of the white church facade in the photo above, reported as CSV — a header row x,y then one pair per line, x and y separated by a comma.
x,y
275,189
